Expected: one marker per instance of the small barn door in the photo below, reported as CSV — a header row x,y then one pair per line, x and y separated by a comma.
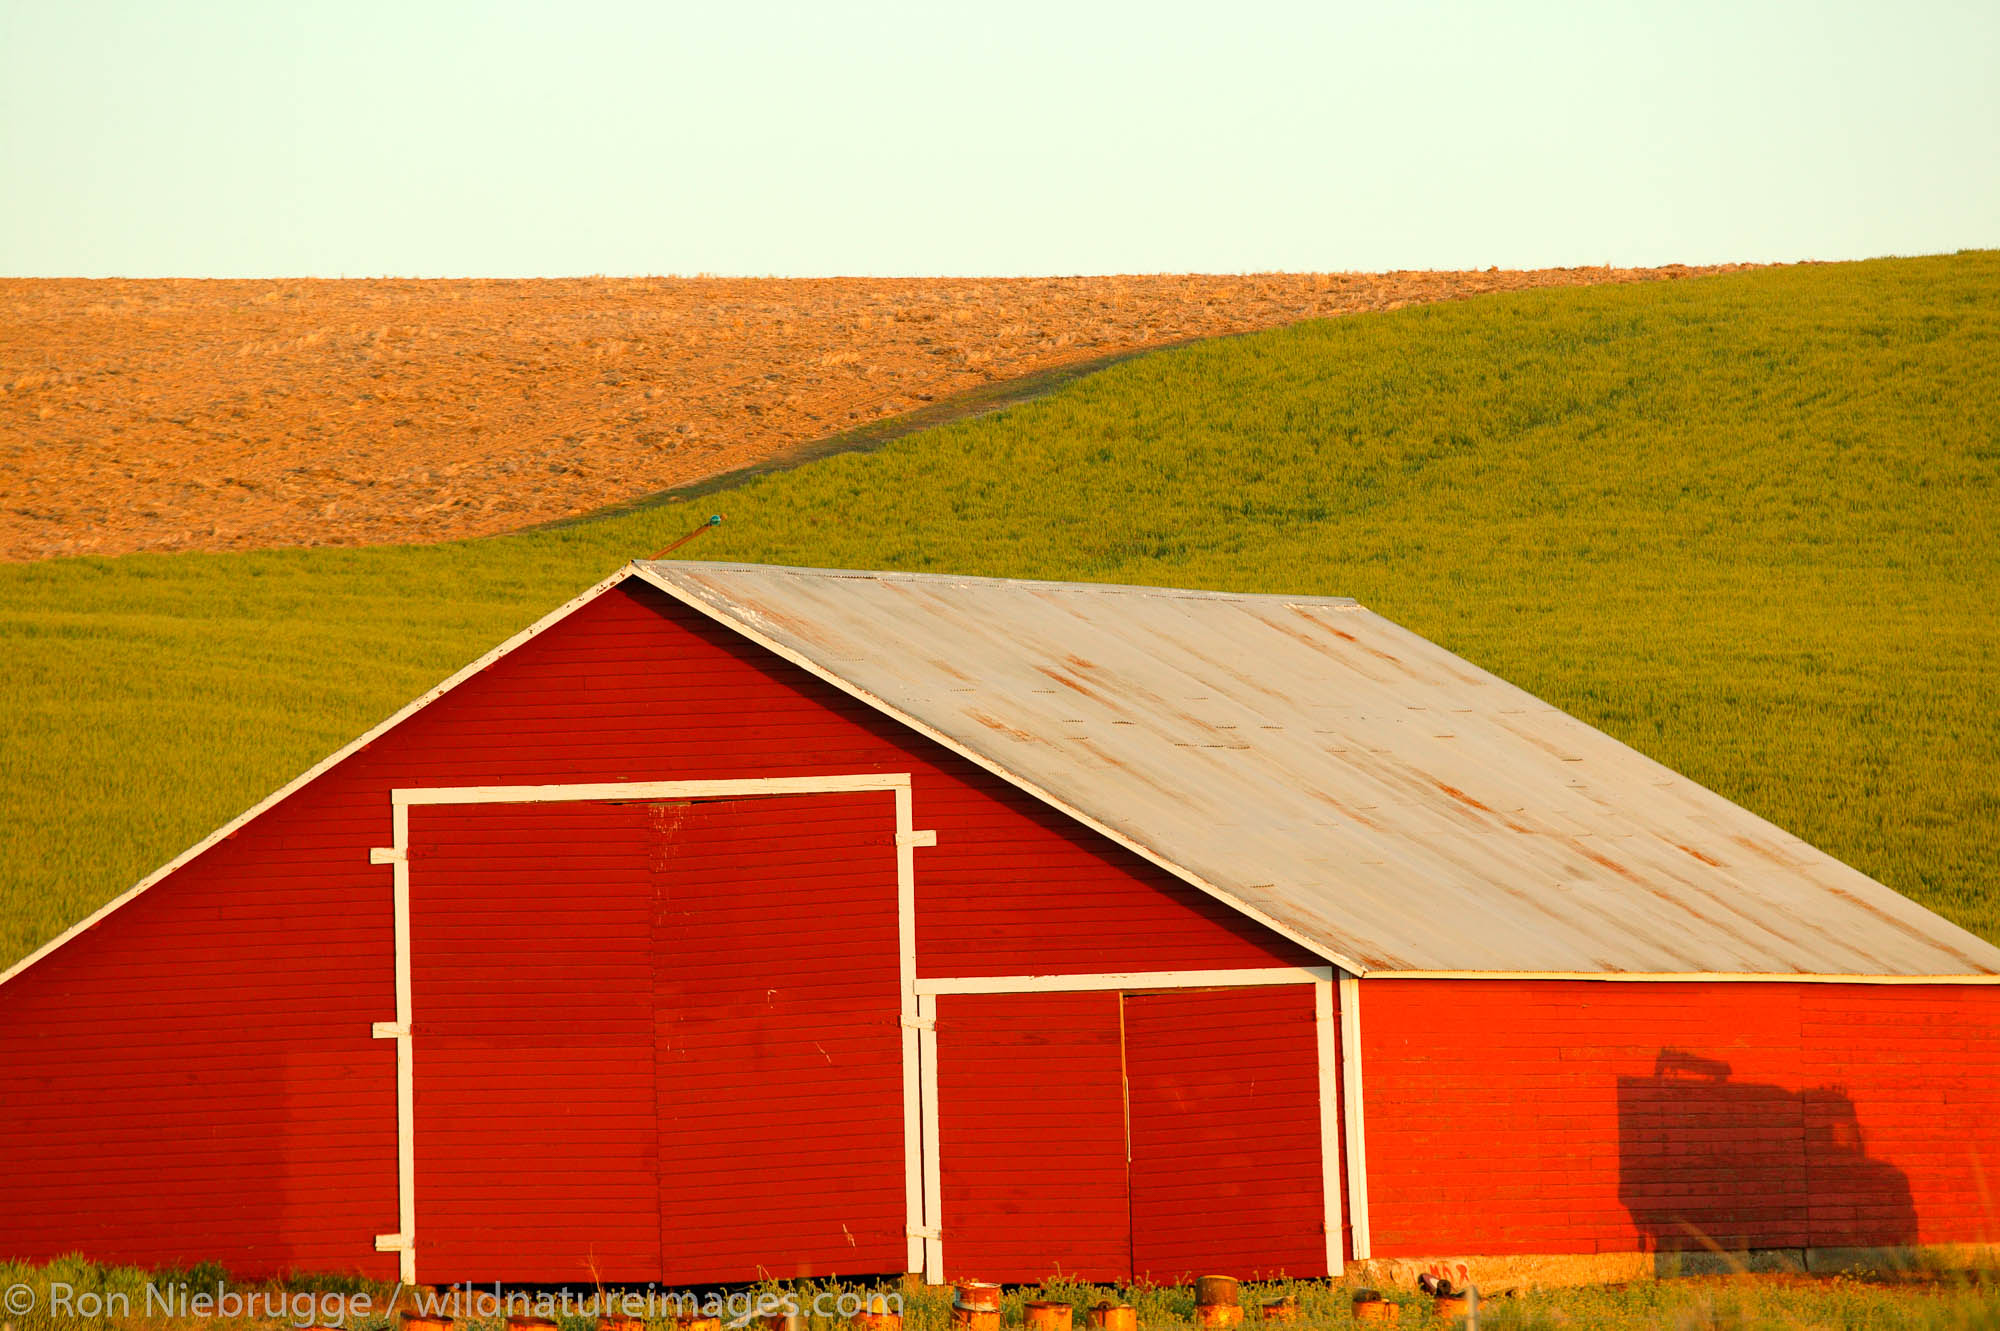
x,y
1031,1104
657,1040
1142,1135
1224,1088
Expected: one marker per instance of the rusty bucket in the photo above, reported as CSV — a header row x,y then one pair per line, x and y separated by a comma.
x,y
1372,1307
1454,1306
1049,1315
1282,1310
425,1322
876,1316
1217,1303
975,1306
697,1322
1109,1316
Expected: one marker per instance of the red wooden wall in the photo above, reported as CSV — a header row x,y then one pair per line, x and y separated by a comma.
x,y
1575,1116
195,1077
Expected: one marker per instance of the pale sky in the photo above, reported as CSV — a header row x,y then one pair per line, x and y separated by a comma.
x,y
432,139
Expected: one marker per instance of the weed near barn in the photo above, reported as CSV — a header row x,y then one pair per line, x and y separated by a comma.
x,y
1749,524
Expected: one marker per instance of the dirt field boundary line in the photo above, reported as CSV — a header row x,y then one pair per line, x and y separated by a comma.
x,y
985,400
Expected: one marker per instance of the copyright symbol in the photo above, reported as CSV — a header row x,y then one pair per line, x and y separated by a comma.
x,y
19,1300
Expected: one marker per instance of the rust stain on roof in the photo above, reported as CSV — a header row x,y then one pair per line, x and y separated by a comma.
x,y
995,723
1463,798
1069,682
1376,652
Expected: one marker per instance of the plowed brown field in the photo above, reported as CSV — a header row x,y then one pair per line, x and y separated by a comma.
x,y
175,415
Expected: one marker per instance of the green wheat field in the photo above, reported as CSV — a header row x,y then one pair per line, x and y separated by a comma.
x,y
1748,524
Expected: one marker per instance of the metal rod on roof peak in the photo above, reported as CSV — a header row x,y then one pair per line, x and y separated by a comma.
x,y
714,521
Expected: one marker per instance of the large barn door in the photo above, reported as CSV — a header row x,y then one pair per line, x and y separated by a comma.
x,y
657,1040
779,1038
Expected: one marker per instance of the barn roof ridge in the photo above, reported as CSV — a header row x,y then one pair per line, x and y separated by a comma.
x,y
1048,584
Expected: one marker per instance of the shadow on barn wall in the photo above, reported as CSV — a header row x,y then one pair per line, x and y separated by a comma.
x,y
1707,1163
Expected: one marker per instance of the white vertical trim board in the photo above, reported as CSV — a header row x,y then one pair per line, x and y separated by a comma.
x,y
927,1006
404,1240
919,1146
907,840
1329,1120
1357,1137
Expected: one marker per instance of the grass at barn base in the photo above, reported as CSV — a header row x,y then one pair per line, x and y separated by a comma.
x,y
1745,1303
1749,524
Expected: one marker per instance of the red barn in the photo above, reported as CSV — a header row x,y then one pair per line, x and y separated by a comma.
x,y
738,921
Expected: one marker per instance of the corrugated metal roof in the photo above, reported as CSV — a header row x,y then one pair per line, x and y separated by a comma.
x,y
1381,800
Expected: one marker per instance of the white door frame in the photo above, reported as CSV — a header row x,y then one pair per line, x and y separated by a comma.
x,y
1332,1067
918,1222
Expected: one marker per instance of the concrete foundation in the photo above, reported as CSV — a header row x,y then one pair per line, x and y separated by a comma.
x,y
1499,1275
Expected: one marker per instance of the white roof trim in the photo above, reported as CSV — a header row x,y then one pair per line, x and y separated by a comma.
x,y
317,769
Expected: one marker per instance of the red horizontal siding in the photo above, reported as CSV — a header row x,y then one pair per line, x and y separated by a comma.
x,y
224,992
1551,1116
1902,1112
1224,1087
1031,1105
177,1086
